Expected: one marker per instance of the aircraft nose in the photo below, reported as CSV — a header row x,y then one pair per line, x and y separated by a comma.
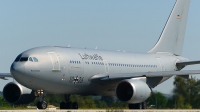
x,y
17,69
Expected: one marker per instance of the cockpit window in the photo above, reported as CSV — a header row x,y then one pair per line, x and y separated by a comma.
x,y
30,59
18,58
35,59
24,59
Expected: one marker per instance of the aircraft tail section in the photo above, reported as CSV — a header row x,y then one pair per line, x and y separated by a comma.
x,y
172,37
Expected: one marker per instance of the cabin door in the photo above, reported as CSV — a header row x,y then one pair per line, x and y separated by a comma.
x,y
55,61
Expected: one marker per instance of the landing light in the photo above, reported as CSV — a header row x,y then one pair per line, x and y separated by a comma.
x,y
39,92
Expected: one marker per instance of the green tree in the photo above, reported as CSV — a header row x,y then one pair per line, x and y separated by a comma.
x,y
108,99
119,105
3,103
157,99
186,93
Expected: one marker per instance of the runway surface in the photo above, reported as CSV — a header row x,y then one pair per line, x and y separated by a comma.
x,y
113,110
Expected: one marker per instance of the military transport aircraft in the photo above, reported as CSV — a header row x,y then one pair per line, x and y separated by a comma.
x,y
129,76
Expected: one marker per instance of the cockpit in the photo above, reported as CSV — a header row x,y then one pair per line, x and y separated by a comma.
x,y
20,58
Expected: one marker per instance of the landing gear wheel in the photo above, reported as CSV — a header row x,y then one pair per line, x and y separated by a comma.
x,y
69,105
41,105
62,105
135,106
75,105
44,105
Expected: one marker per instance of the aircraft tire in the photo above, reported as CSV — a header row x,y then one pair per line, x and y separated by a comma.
x,y
41,105
131,106
135,106
75,105
69,105
44,105
62,105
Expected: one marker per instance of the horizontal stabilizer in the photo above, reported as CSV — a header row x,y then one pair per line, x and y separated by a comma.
x,y
187,63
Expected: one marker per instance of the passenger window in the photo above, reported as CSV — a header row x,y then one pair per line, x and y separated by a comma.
x,y
24,59
30,59
35,59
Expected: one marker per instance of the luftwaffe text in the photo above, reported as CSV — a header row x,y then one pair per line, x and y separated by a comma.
x,y
90,57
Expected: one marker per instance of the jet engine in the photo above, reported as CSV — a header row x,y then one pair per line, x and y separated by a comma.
x,y
132,91
15,93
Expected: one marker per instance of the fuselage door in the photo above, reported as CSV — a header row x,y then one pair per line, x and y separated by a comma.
x,y
106,66
55,61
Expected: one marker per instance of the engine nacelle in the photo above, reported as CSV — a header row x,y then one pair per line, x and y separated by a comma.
x,y
132,91
15,93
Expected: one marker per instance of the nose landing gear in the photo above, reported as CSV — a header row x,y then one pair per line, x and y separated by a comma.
x,y
68,104
41,104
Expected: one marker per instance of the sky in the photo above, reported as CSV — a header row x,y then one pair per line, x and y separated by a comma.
x,y
128,25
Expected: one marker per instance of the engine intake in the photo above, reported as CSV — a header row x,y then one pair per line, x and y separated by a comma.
x,y
132,91
15,93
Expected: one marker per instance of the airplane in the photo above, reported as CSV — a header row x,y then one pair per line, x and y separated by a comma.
x,y
127,75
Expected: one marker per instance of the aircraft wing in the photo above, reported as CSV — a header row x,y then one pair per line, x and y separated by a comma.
x,y
187,63
120,76
5,75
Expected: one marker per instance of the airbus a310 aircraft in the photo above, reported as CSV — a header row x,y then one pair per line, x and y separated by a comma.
x,y
129,76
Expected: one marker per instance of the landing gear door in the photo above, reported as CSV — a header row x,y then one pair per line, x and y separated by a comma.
x,y
55,61
106,66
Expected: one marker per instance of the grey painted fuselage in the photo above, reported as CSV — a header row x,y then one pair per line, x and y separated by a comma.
x,y
64,70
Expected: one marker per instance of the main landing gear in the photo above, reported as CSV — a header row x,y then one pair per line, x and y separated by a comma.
x,y
41,104
138,106
68,104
